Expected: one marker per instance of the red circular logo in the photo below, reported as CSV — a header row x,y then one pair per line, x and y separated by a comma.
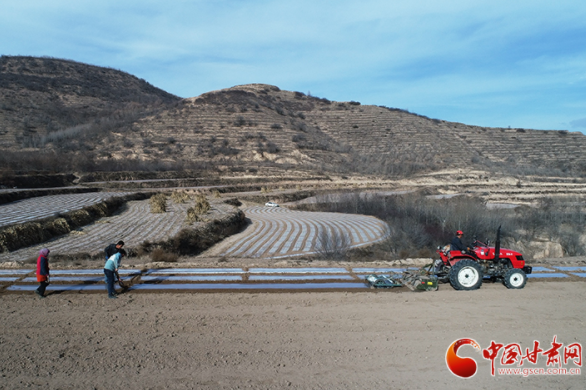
x,y
459,366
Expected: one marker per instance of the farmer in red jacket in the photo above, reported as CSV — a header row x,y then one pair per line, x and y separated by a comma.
x,y
42,272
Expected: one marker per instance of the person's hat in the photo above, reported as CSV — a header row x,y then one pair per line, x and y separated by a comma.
x,y
459,232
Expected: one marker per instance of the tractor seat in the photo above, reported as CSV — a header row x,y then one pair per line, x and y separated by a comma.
x,y
446,249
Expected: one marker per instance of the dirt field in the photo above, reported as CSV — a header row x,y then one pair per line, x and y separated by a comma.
x,y
308,340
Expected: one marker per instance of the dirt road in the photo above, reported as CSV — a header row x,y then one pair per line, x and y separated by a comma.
x,y
333,340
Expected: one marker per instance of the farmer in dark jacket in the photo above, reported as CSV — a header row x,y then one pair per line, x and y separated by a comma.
x,y
42,272
112,249
456,244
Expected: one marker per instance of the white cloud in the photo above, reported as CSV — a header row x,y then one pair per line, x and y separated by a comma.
x,y
580,123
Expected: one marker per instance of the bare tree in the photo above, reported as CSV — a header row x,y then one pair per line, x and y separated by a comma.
x,y
571,244
332,245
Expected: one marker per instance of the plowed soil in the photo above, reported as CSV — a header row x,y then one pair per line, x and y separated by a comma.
x,y
341,340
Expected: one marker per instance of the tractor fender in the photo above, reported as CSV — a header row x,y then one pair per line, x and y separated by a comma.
x,y
456,259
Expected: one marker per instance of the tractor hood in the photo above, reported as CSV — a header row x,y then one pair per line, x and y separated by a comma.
x,y
487,253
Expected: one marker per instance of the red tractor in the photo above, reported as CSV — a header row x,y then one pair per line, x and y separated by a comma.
x,y
465,270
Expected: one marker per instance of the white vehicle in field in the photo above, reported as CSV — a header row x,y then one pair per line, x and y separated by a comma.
x,y
271,204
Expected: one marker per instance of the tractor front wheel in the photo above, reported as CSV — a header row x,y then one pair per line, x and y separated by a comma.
x,y
515,278
466,275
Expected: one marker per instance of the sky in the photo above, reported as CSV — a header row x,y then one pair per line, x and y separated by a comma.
x,y
492,63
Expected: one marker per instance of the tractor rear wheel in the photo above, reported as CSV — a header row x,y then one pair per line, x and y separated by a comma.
x,y
515,278
466,275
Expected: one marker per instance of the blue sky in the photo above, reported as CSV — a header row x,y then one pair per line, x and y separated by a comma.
x,y
484,62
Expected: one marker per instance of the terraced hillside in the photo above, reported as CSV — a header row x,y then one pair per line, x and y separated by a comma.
x,y
249,124
101,119
394,135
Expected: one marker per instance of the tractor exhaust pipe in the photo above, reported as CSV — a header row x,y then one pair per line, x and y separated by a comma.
x,y
497,245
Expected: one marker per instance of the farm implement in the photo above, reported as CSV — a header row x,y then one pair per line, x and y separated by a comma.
x,y
464,270
419,280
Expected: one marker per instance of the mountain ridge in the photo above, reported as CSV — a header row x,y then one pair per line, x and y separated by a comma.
x,y
102,119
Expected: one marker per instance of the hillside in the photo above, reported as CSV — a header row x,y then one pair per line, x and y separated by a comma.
x,y
41,98
102,119
251,124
